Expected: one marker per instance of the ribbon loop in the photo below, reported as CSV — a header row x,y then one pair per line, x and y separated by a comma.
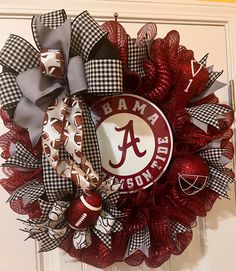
x,y
104,76
10,92
63,124
58,38
85,33
42,91
18,55
76,75
51,20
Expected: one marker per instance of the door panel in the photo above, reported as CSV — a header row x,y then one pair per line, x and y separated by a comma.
x,y
212,236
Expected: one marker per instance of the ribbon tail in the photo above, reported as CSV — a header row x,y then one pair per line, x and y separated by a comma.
x,y
56,234
105,222
25,115
208,114
139,241
82,239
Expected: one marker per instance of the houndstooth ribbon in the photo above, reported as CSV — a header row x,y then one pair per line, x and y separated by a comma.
x,y
29,192
139,241
207,114
218,181
22,158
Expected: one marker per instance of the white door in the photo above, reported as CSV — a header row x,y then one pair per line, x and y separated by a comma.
x,y
204,29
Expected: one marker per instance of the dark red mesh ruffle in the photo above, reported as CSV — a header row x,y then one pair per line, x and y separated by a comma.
x,y
15,178
160,214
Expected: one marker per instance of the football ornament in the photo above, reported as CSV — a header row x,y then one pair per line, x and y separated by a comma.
x,y
84,211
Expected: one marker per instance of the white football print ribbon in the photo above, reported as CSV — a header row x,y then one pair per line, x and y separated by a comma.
x,y
63,126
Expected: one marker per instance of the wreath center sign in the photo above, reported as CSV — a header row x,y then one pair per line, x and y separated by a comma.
x,y
115,145
135,140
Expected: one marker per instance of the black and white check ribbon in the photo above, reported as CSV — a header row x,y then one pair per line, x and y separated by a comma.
x,y
178,228
218,181
10,92
46,243
45,208
139,241
90,143
56,187
86,32
136,55
203,61
214,157
30,192
213,75
105,238
22,158
52,20
98,84
18,55
207,113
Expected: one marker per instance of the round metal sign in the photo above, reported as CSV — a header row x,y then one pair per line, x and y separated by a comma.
x,y
135,140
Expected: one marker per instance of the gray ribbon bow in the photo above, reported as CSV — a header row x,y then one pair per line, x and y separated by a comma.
x,y
38,89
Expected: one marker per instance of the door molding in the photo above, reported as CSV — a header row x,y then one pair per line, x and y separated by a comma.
x,y
161,11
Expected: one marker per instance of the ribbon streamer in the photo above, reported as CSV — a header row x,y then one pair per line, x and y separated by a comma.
x,y
178,228
215,157
21,157
63,125
218,181
207,114
139,241
30,192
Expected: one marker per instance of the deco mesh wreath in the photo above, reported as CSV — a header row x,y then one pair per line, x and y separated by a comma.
x,y
52,158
